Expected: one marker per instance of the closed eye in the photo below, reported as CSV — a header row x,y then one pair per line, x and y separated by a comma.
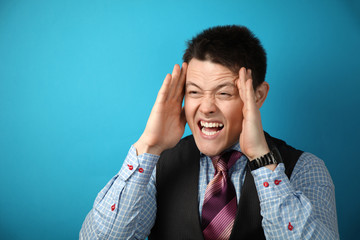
x,y
194,94
225,94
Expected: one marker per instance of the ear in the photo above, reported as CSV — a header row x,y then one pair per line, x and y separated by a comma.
x,y
261,93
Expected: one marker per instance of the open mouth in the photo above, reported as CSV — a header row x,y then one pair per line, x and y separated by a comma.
x,y
210,128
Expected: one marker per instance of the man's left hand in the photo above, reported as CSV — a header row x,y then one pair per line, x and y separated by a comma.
x,y
252,138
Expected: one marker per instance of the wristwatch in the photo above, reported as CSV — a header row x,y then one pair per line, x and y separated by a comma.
x,y
273,157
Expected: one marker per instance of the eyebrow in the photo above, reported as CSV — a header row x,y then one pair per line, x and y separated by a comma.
x,y
228,84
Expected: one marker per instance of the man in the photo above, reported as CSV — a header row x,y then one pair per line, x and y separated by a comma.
x,y
230,179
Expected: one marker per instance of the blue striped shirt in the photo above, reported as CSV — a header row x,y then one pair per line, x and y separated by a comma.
x,y
302,207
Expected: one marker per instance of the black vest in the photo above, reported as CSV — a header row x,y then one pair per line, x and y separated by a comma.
x,y
177,181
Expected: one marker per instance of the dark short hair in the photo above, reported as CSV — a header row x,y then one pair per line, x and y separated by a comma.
x,y
231,46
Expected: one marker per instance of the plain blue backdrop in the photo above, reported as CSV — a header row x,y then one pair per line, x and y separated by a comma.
x,y
78,80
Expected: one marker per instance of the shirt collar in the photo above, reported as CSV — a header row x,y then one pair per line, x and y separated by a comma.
x,y
206,160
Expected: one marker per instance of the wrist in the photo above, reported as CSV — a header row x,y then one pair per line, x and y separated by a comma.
x,y
258,153
269,160
272,166
142,147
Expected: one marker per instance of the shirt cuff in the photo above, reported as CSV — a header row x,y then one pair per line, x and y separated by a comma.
x,y
272,184
138,168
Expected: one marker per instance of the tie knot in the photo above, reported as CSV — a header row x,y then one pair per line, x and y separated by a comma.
x,y
226,160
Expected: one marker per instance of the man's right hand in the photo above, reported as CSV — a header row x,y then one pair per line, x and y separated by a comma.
x,y
166,123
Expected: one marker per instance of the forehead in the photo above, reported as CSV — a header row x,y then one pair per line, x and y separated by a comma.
x,y
208,73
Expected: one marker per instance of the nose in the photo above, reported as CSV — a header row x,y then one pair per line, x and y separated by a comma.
x,y
208,105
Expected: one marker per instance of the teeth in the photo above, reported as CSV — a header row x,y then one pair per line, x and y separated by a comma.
x,y
208,133
210,125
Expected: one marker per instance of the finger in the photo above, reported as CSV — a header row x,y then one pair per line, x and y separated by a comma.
x,y
174,80
250,95
241,84
180,88
248,74
164,90
251,91
247,93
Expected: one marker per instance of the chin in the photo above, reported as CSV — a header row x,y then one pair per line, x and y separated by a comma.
x,y
209,149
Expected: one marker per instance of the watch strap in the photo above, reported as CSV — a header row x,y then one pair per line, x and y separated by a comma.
x,y
273,157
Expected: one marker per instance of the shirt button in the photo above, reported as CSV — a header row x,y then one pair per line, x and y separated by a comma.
x,y
130,167
290,227
266,184
113,207
141,170
277,182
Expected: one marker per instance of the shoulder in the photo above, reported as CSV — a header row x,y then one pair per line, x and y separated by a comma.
x,y
183,154
309,158
309,161
313,168
184,145
178,163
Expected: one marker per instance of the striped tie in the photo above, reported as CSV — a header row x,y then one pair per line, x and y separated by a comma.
x,y
220,205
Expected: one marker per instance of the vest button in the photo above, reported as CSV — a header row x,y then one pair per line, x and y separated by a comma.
x,y
130,167
266,184
277,182
141,170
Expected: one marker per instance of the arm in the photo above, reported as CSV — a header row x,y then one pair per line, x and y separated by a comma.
x,y
300,208
126,207
128,198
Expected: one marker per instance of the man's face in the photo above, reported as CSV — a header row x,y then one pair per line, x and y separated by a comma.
x,y
213,106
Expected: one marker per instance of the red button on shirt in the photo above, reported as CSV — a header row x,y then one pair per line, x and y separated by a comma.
x,y
277,182
266,184
130,167
113,207
141,170
290,227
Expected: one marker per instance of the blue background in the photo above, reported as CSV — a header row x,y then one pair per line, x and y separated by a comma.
x,y
78,80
